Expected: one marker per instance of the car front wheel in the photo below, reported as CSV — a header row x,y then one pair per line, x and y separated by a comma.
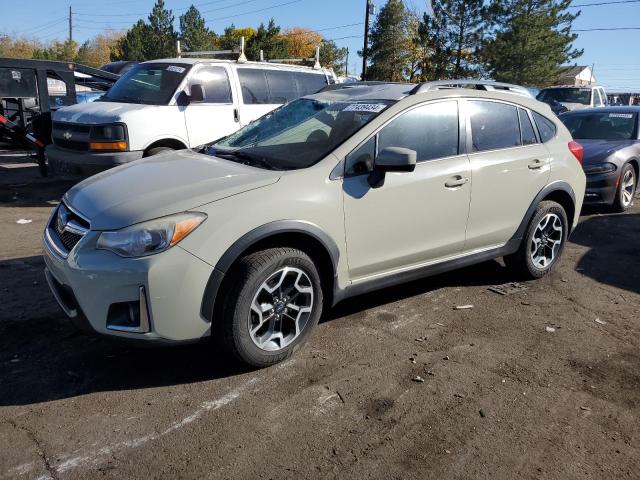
x,y
626,189
543,242
273,301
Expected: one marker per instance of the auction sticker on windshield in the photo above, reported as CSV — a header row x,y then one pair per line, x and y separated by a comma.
x,y
621,115
365,107
175,68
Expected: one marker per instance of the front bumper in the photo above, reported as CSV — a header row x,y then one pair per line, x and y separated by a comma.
x,y
89,282
86,163
601,188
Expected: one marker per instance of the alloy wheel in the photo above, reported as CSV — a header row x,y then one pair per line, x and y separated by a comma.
x,y
627,187
546,241
281,308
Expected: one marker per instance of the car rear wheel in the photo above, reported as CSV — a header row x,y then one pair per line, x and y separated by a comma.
x,y
543,242
626,189
273,300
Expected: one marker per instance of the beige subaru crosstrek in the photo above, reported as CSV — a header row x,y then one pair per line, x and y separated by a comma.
x,y
355,188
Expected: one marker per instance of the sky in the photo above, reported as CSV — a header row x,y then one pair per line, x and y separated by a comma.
x,y
614,54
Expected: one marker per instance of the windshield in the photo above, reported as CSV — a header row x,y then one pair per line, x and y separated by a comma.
x,y
566,95
602,126
298,134
147,83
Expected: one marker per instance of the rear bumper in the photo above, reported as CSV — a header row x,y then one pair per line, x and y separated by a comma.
x,y
86,163
601,189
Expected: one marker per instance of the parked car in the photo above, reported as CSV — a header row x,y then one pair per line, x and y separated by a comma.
x,y
611,141
353,189
120,67
170,105
573,98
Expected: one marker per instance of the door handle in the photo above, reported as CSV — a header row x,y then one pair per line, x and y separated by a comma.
x,y
456,181
535,164
236,115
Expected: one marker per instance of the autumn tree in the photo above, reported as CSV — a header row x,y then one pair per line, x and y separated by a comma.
x,y
11,47
98,51
301,42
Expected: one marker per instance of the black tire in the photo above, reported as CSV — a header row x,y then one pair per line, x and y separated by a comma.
x,y
157,150
245,279
620,204
521,262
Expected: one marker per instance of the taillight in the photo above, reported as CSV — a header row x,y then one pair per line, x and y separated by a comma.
x,y
577,150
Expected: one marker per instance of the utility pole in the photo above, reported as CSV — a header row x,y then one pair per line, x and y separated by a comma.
x,y
70,25
365,48
346,64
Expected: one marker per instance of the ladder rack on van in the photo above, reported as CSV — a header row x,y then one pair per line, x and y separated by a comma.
x,y
241,58
315,59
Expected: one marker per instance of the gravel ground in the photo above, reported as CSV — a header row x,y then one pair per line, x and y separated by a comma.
x,y
502,396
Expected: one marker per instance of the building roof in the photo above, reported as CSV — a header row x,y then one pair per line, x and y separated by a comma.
x,y
568,71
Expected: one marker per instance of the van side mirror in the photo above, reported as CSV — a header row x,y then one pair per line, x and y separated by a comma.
x,y
197,93
392,159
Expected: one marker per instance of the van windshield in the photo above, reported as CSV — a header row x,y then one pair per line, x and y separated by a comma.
x,y
566,95
147,83
298,134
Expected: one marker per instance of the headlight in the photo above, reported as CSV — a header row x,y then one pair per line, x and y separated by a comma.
x,y
108,138
150,237
599,168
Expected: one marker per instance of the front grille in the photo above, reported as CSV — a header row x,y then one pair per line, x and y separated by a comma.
x,y
66,229
72,127
70,144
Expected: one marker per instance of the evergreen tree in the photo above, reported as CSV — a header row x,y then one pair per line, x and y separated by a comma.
x,y
434,35
389,43
269,40
161,39
466,34
193,32
530,40
132,46
332,56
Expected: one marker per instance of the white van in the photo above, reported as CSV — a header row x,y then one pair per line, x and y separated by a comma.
x,y
173,104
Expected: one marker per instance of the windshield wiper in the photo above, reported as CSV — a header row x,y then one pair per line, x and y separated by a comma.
x,y
246,158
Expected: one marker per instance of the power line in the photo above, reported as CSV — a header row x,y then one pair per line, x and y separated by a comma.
x,y
612,29
181,9
256,11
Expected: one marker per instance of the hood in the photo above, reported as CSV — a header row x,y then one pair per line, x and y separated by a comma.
x,y
597,151
573,106
98,112
161,185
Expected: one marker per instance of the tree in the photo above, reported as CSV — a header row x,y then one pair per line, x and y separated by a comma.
x,y
132,46
194,34
332,56
269,40
529,41
63,51
18,47
161,39
466,33
98,50
434,36
389,43
301,42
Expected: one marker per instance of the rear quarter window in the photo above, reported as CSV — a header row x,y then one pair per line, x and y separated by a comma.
x,y
546,127
254,86
282,86
309,83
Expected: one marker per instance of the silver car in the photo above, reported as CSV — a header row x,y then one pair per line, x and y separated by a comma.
x,y
355,188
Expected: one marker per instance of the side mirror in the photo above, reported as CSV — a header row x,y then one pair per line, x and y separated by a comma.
x,y
197,93
392,159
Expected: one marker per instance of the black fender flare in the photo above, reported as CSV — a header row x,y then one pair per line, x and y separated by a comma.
x,y
251,238
549,189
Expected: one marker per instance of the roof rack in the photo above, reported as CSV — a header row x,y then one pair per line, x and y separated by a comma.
x,y
240,51
315,59
487,85
340,86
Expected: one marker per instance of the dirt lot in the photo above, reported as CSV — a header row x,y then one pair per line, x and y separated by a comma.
x,y
502,396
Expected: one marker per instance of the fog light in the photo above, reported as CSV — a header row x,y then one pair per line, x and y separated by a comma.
x,y
130,317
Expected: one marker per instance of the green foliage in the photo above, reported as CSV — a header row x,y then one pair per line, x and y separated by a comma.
x,y
269,40
529,40
63,51
132,46
194,34
161,42
389,43
332,56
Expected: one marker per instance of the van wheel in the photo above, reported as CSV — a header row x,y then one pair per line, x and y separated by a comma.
x,y
157,150
626,189
273,301
543,242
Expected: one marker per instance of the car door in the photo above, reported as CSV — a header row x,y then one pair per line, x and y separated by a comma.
x,y
217,115
416,217
510,166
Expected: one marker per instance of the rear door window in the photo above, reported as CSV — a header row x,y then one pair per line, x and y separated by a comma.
x,y
493,125
526,129
309,83
546,127
254,86
215,82
282,86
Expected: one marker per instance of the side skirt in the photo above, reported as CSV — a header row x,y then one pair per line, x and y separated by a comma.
x,y
403,277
